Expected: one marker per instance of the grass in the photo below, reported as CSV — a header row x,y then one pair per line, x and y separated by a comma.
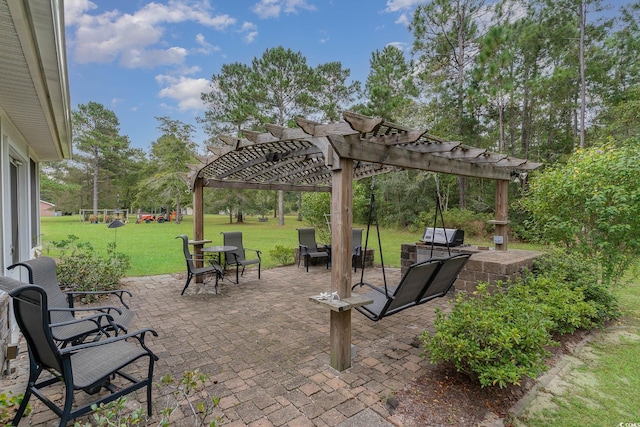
x,y
154,250
609,396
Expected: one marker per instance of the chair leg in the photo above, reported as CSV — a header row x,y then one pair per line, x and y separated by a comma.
x,y
237,268
189,276
306,262
149,401
258,271
68,403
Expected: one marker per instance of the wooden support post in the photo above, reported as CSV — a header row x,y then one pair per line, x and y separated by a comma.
x,y
341,236
502,215
198,222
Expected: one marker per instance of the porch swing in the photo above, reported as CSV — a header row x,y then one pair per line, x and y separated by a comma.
x,y
422,282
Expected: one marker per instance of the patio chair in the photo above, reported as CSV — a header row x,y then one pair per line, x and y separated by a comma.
x,y
308,247
356,253
192,270
42,271
238,257
86,367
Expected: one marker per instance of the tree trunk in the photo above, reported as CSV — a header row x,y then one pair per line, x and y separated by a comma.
x,y
95,186
280,207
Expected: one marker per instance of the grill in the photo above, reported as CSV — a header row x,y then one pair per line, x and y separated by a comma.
x,y
437,237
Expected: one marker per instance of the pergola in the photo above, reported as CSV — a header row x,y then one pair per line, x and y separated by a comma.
x,y
328,157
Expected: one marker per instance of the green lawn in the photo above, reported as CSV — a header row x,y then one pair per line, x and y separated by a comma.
x,y
154,250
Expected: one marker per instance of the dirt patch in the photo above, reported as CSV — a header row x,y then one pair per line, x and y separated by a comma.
x,y
445,397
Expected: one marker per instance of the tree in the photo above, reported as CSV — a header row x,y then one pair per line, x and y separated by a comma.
x,y
230,104
445,40
170,154
390,85
334,94
592,205
97,137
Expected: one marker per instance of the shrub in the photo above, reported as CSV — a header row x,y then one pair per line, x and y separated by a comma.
x,y
493,337
591,204
81,268
9,404
570,268
189,393
282,255
563,304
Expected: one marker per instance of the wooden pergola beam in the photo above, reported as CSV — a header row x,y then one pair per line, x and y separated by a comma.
x,y
351,147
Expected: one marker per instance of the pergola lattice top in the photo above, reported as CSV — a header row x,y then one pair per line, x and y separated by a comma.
x,y
302,158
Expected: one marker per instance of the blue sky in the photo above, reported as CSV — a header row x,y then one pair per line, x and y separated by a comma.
x,y
144,59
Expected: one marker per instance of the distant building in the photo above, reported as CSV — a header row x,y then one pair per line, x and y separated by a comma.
x,y
47,209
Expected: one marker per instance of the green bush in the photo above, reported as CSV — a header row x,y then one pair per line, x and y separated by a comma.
x,y
561,303
570,268
493,337
9,404
81,268
592,205
282,255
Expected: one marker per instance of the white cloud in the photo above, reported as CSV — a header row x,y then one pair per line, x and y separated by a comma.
x,y
250,31
131,38
272,8
205,47
403,19
186,91
267,9
398,5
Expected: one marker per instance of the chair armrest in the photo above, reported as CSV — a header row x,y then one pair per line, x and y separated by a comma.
x,y
139,335
304,248
102,309
96,319
118,292
257,251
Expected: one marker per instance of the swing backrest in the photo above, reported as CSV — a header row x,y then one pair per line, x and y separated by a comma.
x,y
413,284
444,278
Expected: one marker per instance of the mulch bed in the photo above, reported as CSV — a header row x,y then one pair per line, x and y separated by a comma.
x,y
445,397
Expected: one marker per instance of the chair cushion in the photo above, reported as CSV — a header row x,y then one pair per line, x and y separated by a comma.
x,y
93,364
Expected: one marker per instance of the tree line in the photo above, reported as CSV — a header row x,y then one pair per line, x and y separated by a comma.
x,y
530,79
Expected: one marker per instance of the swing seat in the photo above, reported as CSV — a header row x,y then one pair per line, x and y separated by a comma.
x,y
422,282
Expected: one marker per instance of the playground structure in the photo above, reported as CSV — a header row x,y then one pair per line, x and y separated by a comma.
x,y
104,215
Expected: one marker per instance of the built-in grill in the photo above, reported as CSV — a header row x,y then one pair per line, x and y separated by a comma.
x,y
440,236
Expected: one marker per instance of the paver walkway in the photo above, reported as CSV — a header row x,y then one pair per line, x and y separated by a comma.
x,y
266,347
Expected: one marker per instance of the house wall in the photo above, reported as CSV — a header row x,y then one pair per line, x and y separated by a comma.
x,y
47,209
18,216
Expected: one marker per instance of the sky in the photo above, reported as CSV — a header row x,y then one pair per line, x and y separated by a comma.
x,y
147,59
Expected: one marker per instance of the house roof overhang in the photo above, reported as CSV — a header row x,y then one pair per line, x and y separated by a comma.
x,y
34,88
303,158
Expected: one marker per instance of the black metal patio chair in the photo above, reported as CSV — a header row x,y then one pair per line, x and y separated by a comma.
x,y
238,257
308,248
112,363
193,271
42,271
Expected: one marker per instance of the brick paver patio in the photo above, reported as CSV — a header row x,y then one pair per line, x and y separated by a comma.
x,y
266,348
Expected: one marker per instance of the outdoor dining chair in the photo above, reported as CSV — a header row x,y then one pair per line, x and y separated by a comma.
x,y
42,271
308,248
238,256
112,363
193,271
